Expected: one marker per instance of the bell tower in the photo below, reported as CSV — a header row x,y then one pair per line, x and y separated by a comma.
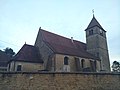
x,y
97,43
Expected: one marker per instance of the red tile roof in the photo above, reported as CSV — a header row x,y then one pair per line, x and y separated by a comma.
x,y
63,45
4,58
28,53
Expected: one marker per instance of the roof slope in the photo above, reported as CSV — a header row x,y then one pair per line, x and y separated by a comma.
x,y
4,58
28,53
93,23
63,45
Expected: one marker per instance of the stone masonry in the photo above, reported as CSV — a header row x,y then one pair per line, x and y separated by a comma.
x,y
59,81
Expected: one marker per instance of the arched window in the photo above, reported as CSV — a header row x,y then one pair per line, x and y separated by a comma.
x,y
66,60
82,63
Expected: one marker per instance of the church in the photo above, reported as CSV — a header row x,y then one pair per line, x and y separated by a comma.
x,y
56,53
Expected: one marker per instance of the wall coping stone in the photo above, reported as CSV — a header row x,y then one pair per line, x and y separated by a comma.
x,y
82,73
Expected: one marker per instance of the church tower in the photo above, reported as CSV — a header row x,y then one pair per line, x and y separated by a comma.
x,y
97,43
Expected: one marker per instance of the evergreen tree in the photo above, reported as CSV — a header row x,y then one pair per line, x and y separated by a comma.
x,y
9,52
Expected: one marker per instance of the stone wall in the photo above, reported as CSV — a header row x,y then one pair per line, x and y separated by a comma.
x,y
59,81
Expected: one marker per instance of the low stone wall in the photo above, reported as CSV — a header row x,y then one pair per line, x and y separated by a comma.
x,y
59,81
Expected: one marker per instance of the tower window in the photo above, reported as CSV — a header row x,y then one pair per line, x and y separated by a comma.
x,y
66,60
91,32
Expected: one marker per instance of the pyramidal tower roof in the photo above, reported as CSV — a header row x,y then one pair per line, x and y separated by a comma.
x,y
93,23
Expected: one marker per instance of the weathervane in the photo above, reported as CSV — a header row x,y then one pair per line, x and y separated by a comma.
x,y
93,12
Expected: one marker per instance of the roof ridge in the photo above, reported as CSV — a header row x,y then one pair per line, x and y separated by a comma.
x,y
79,41
61,36
29,45
55,34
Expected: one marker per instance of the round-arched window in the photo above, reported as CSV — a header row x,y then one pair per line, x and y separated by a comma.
x,y
66,60
82,63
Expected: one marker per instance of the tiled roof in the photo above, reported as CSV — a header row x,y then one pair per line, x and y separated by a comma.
x,y
63,45
28,53
93,23
4,58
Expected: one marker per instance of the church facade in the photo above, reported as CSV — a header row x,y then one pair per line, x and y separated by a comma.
x,y
61,54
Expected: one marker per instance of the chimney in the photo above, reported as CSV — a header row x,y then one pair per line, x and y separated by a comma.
x,y
72,39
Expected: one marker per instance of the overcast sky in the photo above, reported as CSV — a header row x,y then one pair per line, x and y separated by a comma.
x,y
21,19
